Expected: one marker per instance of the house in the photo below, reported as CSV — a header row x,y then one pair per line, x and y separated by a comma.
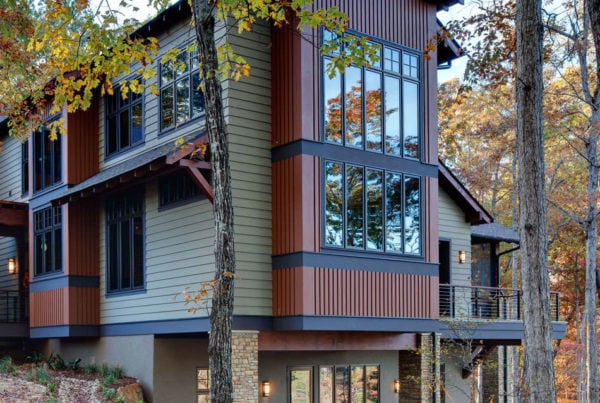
x,y
345,225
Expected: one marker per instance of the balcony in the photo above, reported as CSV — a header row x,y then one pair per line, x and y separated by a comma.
x,y
14,318
487,303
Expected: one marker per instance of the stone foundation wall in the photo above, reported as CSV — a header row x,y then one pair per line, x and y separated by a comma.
x,y
244,362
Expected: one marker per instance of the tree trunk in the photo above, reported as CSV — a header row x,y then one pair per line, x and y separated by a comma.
x,y
539,369
221,314
591,222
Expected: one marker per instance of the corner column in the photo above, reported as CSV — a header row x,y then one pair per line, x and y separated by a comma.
x,y
244,362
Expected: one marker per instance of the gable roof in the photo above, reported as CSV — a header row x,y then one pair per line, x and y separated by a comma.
x,y
474,212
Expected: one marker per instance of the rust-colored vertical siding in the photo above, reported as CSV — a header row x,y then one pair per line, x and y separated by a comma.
x,y
295,205
81,226
335,292
65,306
84,306
81,158
47,308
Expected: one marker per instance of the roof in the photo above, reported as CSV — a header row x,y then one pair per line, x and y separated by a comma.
x,y
445,4
494,231
132,169
447,48
13,217
474,212
167,18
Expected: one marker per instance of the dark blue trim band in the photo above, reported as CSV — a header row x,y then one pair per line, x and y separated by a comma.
x,y
47,332
40,284
347,154
356,261
511,332
354,323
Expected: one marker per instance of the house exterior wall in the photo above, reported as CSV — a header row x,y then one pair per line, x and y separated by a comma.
x,y
178,255
452,226
299,154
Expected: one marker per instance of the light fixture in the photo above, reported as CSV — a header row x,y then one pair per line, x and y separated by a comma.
x,y
462,256
266,388
12,265
396,386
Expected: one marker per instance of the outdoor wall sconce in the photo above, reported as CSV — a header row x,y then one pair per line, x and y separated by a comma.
x,y
12,265
462,256
396,386
266,388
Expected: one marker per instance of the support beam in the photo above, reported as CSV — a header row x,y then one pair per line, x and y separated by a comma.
x,y
186,149
202,183
195,164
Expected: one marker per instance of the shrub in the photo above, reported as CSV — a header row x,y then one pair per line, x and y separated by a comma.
x,y
35,357
74,364
55,362
91,369
7,365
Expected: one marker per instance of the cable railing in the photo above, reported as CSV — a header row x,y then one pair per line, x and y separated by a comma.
x,y
14,308
469,302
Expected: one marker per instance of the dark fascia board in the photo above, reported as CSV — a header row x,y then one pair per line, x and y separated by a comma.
x,y
179,11
474,212
445,4
447,48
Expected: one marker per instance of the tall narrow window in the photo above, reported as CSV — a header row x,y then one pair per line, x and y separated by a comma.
x,y
125,241
375,108
180,97
25,167
47,242
47,156
124,118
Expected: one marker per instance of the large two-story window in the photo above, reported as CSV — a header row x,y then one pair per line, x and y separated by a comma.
x,y
372,209
125,241
180,97
375,108
124,118
47,241
47,169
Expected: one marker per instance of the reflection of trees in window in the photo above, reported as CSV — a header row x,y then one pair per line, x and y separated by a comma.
x,y
393,208
353,97
354,206
352,383
300,385
412,215
180,96
334,199
375,105
412,212
374,209
377,205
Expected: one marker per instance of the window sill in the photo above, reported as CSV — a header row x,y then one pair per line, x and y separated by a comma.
x,y
125,293
117,154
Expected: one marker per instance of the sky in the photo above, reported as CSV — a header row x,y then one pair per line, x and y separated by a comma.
x,y
458,65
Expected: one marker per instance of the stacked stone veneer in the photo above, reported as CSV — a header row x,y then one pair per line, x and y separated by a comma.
x,y
419,371
244,362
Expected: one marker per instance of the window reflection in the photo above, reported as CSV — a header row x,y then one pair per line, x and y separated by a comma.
x,y
353,97
373,110
333,107
334,192
393,207
410,110
374,209
412,216
354,209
